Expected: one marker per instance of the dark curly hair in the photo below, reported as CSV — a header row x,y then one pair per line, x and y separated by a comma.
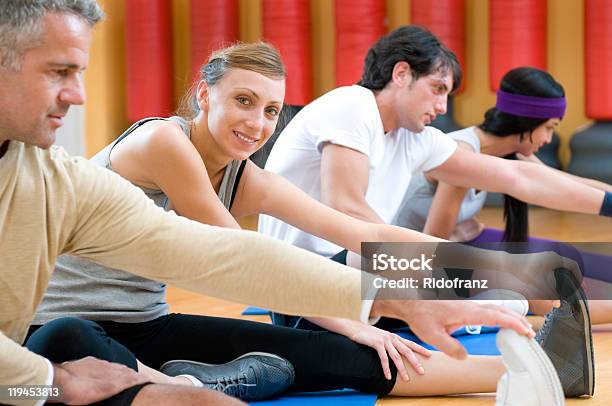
x,y
415,45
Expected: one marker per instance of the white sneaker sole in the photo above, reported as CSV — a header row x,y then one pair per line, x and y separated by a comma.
x,y
586,315
522,354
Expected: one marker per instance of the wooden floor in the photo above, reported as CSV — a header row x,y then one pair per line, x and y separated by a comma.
x,y
543,223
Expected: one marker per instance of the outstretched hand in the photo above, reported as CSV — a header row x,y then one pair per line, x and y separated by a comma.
x,y
434,321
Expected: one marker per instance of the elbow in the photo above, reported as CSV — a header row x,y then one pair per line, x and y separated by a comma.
x,y
353,206
348,208
514,180
443,233
338,203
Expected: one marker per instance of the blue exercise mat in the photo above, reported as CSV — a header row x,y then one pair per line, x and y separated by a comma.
x,y
330,398
254,311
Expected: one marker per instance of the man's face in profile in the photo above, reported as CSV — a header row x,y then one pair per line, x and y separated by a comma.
x,y
35,97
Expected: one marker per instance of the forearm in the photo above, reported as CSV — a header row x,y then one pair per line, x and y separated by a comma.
x,y
587,181
357,209
439,230
347,328
350,233
338,165
356,232
487,263
448,254
389,233
537,184
590,182
444,210
526,181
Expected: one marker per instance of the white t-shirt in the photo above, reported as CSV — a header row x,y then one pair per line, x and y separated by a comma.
x,y
348,116
415,206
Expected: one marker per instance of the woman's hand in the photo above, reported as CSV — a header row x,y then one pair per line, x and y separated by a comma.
x,y
385,343
390,345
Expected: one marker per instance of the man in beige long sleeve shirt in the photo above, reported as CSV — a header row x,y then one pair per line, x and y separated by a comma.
x,y
51,204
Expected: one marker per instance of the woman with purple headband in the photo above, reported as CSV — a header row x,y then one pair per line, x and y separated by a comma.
x,y
530,105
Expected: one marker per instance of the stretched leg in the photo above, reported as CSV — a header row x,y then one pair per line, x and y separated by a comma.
x,y
322,360
447,376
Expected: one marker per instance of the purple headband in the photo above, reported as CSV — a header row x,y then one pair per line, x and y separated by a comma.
x,y
530,106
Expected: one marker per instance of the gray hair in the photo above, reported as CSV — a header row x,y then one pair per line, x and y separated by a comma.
x,y
21,28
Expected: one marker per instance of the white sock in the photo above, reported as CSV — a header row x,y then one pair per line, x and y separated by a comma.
x,y
505,298
195,381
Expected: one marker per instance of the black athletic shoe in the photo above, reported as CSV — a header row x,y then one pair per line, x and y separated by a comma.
x,y
253,376
566,337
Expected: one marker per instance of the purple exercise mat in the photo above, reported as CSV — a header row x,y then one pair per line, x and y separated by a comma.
x,y
596,266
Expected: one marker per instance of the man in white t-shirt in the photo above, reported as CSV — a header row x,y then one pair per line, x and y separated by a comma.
x,y
356,147
348,120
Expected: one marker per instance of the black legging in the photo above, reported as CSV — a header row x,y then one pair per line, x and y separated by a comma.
x,y
322,360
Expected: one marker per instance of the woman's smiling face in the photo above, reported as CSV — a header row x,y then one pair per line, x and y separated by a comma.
x,y
242,110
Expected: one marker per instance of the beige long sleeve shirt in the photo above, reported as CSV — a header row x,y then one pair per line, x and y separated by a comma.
x,y
51,203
